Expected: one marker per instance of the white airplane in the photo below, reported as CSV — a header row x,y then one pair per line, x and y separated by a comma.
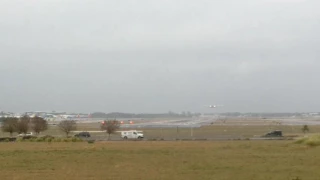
x,y
214,106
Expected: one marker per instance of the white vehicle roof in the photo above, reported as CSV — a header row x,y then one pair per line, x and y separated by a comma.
x,y
130,131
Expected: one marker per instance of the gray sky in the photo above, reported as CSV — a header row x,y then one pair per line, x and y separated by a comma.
x,y
155,56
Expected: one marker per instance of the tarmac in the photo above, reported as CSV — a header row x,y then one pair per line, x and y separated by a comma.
x,y
204,121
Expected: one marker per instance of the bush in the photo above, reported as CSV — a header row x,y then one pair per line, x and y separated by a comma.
x,y
8,139
29,137
313,140
19,140
75,139
57,140
91,141
46,138
39,139
300,141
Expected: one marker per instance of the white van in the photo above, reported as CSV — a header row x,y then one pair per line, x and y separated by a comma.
x,y
23,135
133,134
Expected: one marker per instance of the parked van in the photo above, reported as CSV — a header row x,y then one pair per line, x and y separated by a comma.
x,y
25,135
133,134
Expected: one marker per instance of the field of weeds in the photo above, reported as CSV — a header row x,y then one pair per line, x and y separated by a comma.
x,y
230,160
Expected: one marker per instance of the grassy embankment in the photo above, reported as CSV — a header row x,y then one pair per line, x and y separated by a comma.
x,y
256,160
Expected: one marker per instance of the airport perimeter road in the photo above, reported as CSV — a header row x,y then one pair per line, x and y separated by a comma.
x,y
209,139
216,138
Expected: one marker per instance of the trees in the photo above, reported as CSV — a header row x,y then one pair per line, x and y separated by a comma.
x,y
110,126
23,124
67,126
38,124
9,125
305,129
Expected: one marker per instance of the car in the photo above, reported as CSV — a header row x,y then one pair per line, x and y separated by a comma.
x,y
276,133
83,134
24,135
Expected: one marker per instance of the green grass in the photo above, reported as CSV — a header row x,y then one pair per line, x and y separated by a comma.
x,y
256,160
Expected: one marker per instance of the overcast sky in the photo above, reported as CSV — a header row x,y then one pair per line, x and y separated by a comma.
x,y
155,56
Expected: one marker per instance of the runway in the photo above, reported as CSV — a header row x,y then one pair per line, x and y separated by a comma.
x,y
204,121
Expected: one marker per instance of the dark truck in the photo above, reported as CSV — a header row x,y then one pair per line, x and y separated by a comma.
x,y
273,134
83,135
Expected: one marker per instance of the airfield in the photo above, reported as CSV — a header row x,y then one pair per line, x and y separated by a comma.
x,y
198,128
183,148
198,122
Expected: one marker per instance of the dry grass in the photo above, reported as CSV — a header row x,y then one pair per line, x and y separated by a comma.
x,y
256,160
312,140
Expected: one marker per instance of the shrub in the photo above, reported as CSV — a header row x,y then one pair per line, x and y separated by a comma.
x,y
313,140
75,139
39,139
91,141
19,140
57,139
29,137
7,139
32,139
300,141
45,139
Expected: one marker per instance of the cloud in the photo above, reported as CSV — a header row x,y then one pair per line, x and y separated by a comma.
x,y
148,56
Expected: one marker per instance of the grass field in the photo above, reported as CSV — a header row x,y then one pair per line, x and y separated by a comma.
x,y
256,160
213,131
221,160
233,128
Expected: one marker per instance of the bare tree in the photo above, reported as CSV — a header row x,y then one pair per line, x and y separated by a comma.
x,y
110,126
23,124
67,126
39,124
9,125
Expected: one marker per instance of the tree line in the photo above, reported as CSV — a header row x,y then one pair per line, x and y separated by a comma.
x,y
23,124
37,124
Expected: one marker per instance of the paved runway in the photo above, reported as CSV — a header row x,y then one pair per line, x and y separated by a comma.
x,y
182,123
202,121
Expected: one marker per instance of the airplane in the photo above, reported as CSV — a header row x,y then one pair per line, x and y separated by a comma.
x,y
214,106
